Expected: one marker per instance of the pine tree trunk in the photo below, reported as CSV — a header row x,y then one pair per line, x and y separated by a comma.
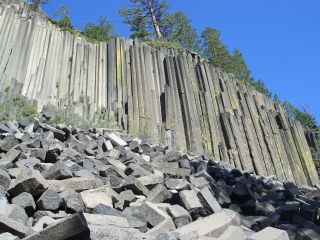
x,y
154,21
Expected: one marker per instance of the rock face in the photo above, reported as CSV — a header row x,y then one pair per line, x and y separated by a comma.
x,y
131,196
61,182
175,96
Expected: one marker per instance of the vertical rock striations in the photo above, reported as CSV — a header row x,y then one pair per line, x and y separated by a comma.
x,y
174,96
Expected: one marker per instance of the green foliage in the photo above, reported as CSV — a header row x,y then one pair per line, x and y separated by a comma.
x,y
146,18
57,84
19,106
238,67
62,11
28,111
81,99
137,23
214,50
65,22
305,118
160,43
103,31
34,6
72,31
180,31
218,55
276,98
260,87
69,117
315,153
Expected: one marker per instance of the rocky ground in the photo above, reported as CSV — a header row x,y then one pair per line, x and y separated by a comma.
x,y
60,182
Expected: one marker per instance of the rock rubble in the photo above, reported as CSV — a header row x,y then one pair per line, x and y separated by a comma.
x,y
60,182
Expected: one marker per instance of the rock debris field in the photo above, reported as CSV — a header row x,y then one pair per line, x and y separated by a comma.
x,y
60,182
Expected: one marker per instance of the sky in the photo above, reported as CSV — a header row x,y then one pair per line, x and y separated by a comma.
x,y
280,40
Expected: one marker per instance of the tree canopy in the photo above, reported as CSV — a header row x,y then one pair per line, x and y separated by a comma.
x,y
145,17
303,116
181,31
103,31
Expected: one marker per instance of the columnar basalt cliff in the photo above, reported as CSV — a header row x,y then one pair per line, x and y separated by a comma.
x,y
169,94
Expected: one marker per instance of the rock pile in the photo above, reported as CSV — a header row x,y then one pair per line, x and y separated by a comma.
x,y
60,182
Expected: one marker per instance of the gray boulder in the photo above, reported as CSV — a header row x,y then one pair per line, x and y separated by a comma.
x,y
49,200
26,201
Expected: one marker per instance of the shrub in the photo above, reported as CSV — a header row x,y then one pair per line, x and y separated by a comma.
x,y
28,111
160,43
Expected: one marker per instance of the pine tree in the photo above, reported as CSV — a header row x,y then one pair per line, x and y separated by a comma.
x,y
144,16
214,50
238,67
276,98
103,31
182,32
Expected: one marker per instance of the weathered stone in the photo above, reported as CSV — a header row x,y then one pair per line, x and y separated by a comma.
x,y
77,184
8,142
17,213
151,180
233,233
112,232
58,134
305,223
179,215
53,214
49,200
4,129
58,171
307,234
208,201
71,227
309,212
38,153
291,229
270,233
116,140
53,153
26,201
192,203
84,173
255,223
136,171
165,236
43,220
30,181
288,210
3,201
242,192
105,220
92,198
72,200
13,227
153,213
105,210
158,194
117,164
5,179
222,197
29,162
166,225
8,236
211,226
10,158
136,186
24,122
291,189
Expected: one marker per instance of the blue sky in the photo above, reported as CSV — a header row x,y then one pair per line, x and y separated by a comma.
x,y
280,40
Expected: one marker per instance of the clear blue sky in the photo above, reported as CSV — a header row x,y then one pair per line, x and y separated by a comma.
x,y
280,40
